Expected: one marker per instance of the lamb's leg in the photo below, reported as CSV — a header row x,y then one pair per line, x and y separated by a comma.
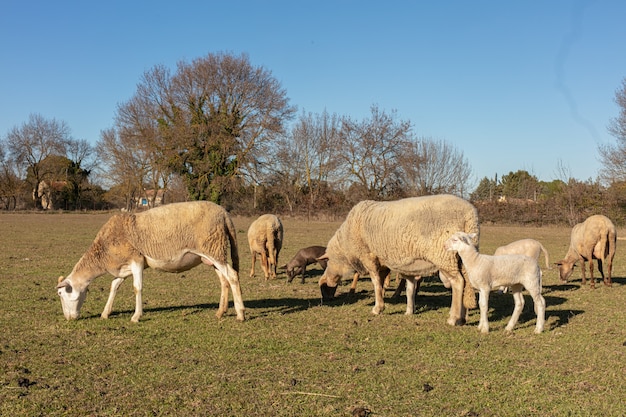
x,y
303,273
519,306
540,309
137,269
483,302
109,305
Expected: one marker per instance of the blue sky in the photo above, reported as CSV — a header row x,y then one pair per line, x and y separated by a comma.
x,y
512,84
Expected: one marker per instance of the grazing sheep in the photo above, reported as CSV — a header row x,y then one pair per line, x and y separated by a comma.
x,y
486,272
172,238
265,237
595,238
528,247
305,256
405,236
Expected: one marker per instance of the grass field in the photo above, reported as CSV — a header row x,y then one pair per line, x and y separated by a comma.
x,y
293,356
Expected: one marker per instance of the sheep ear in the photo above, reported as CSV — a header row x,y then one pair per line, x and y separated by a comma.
x,y
473,236
73,295
60,279
324,256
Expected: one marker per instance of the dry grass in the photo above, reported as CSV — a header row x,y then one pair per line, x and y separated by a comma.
x,y
294,357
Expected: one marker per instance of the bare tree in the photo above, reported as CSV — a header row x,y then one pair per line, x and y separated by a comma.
x,y
31,143
127,166
613,156
370,151
306,158
11,185
434,166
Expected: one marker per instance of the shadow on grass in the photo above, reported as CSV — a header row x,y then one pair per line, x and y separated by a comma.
x,y
262,308
501,307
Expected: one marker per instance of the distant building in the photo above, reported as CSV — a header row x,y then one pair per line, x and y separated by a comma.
x,y
149,195
49,192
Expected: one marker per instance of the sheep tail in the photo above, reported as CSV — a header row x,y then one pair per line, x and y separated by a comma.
x,y
469,296
232,237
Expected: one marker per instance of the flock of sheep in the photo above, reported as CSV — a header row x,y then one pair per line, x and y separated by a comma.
x,y
415,237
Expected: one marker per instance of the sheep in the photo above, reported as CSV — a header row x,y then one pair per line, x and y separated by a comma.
x,y
406,236
305,256
173,238
265,238
595,238
486,272
528,247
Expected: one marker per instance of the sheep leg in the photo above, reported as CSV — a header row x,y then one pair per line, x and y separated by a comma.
x,y
483,302
253,264
229,277
519,306
378,279
137,269
591,278
223,306
458,312
583,271
273,261
401,287
412,287
265,265
601,269
109,305
355,279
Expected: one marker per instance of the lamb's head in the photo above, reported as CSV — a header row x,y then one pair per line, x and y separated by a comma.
x,y
72,299
565,269
292,270
460,240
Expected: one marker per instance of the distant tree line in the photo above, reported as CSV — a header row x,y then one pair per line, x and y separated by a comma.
x,y
218,128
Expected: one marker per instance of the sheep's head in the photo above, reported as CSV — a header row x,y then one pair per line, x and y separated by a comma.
x,y
329,280
565,269
71,298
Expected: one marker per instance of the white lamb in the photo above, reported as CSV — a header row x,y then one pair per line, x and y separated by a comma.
x,y
486,272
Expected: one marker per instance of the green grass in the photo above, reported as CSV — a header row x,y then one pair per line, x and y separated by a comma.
x,y
293,356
